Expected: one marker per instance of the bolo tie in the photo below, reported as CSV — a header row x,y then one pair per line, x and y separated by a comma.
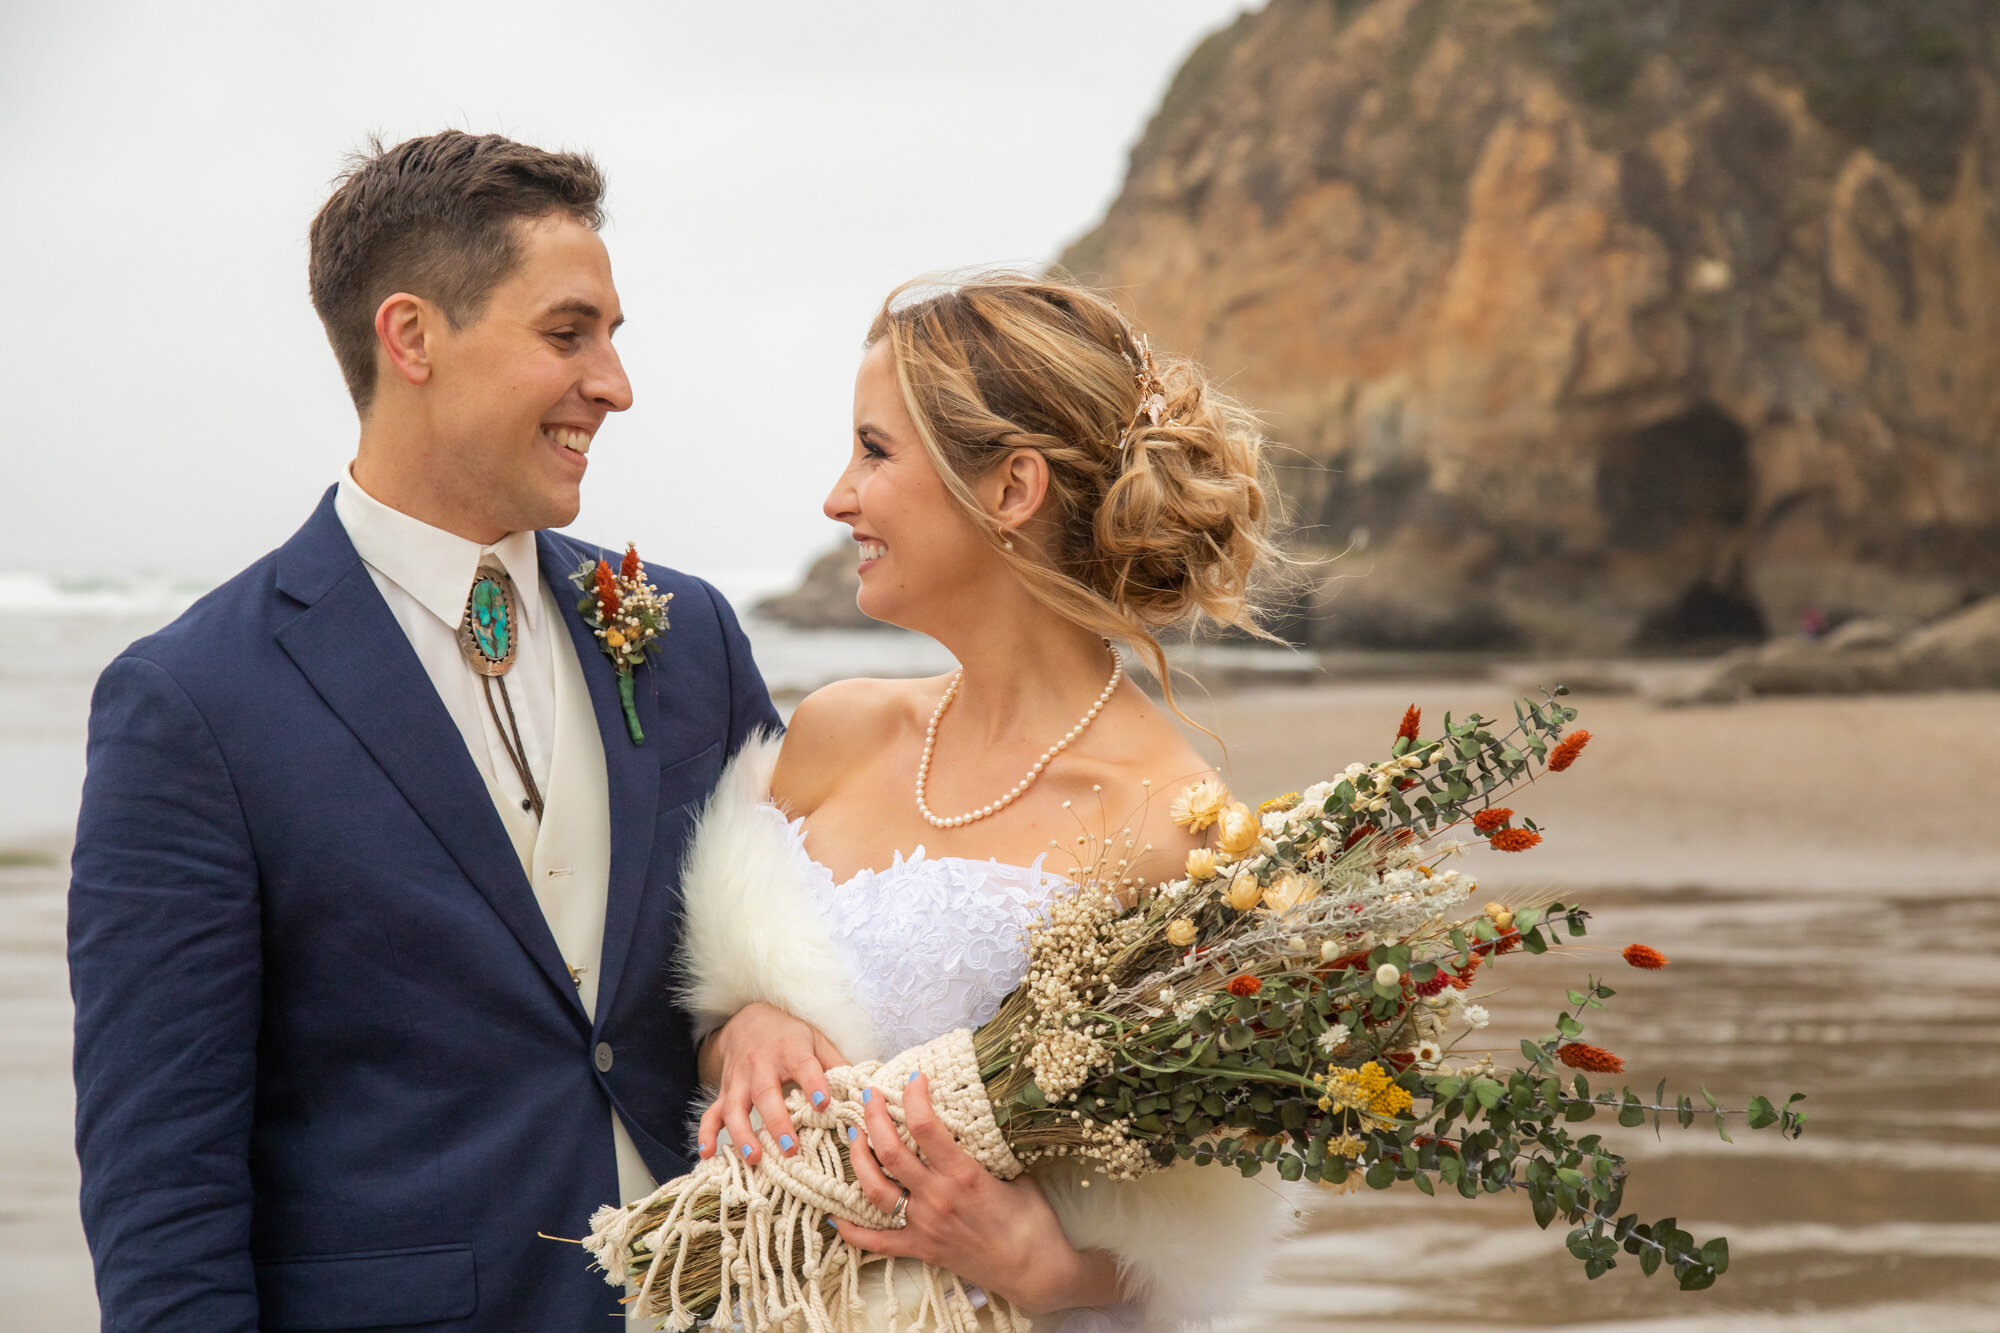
x,y
487,636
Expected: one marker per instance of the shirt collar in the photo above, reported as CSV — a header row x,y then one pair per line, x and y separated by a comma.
x,y
433,566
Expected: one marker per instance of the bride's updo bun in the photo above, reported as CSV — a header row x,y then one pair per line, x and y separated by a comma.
x,y
1157,515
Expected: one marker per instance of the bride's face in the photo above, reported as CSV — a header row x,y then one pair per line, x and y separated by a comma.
x,y
918,549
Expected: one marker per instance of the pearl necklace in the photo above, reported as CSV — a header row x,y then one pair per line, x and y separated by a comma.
x,y
972,816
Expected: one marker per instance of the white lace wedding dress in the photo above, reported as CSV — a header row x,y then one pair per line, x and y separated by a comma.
x,y
936,943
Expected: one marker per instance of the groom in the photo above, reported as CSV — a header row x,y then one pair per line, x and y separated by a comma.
x,y
369,943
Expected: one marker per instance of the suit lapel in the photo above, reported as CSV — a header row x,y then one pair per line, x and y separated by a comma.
x,y
350,647
632,772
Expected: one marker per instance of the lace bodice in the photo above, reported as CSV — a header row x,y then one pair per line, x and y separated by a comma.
x,y
936,943
930,943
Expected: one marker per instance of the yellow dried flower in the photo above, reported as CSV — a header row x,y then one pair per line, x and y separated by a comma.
x,y
1197,807
614,638
1180,932
1500,915
1285,802
1288,891
1237,830
1201,864
1244,891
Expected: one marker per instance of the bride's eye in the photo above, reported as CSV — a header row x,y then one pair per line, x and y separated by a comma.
x,y
872,449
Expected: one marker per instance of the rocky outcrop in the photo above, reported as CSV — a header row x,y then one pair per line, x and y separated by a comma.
x,y
1595,327
1958,652
824,599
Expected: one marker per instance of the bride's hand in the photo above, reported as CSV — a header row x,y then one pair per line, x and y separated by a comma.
x,y
1000,1235
750,1059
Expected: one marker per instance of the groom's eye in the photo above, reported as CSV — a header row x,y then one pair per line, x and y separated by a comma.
x,y
567,337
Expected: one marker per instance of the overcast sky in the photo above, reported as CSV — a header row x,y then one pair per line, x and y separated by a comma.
x,y
774,169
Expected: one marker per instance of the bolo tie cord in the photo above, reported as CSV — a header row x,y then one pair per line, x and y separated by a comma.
x,y
510,740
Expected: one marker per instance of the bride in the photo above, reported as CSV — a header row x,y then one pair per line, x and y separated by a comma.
x,y
1027,486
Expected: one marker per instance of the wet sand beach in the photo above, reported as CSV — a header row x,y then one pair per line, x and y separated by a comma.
x,y
1824,874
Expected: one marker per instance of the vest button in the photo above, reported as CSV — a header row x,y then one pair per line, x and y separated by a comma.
x,y
603,1057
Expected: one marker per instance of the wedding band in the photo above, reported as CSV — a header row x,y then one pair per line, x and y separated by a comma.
x,y
899,1217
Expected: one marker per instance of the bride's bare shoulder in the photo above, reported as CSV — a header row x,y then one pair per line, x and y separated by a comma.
x,y
843,725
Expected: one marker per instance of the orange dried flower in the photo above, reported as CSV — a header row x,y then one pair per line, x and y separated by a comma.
x,y
1644,955
1244,986
631,568
1486,821
1361,831
1514,840
1462,979
1408,731
1565,754
1590,1059
607,591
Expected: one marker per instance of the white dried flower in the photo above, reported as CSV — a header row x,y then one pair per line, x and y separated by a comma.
x,y
1387,975
1475,1016
1328,1040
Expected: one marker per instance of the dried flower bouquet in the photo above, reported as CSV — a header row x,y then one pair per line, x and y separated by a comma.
x,y
1290,1002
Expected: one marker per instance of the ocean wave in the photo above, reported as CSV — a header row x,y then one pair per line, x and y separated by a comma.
x,y
24,593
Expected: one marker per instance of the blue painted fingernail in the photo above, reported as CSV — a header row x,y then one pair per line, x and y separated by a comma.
x,y
913,1076
784,1143
868,1094
851,1132
707,1148
819,1099
746,1150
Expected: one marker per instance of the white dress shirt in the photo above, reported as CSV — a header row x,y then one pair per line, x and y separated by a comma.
x,y
425,575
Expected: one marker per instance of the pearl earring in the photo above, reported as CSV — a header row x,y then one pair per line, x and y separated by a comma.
x,y
1007,542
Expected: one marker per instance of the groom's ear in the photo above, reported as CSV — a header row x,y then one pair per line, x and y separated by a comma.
x,y
1018,487
404,325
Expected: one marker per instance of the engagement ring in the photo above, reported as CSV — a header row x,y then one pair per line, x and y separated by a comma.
x,y
899,1217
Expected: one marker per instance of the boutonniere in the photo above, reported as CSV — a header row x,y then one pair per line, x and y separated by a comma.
x,y
628,615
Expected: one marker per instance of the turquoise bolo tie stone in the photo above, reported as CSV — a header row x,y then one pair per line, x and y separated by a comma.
x,y
492,626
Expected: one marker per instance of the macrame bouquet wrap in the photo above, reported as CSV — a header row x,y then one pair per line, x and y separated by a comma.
x,y
749,1239
1293,1001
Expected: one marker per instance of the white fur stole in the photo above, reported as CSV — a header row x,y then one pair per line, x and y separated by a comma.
x,y
1190,1241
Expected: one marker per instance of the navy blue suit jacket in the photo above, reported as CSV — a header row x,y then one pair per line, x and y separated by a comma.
x,y
331,1070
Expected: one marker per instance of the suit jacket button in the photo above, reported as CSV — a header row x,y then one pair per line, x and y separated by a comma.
x,y
603,1057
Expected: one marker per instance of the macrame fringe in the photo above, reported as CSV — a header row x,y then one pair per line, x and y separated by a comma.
x,y
781,1272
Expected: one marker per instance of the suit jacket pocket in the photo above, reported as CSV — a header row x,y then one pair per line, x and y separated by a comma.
x,y
691,778
367,1288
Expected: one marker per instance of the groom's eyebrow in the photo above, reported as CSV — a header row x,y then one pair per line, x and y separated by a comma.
x,y
586,309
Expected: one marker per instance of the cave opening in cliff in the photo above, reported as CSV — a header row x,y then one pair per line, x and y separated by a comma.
x,y
1679,491
1686,473
1703,618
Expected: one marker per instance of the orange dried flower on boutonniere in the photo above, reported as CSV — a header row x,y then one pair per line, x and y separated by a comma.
x,y
1486,821
1644,955
1244,986
629,567
1590,1059
1565,754
607,591
1514,839
1408,731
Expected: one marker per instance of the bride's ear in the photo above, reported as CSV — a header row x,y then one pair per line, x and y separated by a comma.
x,y
1015,489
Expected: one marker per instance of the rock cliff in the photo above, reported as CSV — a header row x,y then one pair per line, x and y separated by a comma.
x,y
1595,327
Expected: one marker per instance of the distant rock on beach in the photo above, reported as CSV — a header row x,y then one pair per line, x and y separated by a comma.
x,y
1652,326
824,599
1957,652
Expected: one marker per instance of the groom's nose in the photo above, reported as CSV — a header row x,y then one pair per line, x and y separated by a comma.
x,y
605,383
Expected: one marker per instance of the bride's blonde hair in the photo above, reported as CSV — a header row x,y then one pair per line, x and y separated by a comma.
x,y
1152,523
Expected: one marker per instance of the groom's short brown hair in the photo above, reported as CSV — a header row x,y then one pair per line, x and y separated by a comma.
x,y
433,217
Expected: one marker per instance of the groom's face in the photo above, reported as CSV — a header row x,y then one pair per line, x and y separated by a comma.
x,y
520,392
